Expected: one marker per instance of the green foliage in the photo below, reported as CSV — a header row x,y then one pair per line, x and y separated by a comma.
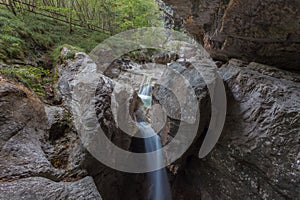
x,y
60,10
32,77
136,14
28,36
11,46
113,16
10,36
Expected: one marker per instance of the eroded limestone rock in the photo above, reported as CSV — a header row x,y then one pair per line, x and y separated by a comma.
x,y
252,30
37,156
257,156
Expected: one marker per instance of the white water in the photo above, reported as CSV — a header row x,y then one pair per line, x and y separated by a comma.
x,y
145,90
159,187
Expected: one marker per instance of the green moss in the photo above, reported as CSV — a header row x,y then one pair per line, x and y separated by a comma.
x,y
31,77
58,58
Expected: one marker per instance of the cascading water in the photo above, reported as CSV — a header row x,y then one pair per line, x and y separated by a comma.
x,y
159,187
145,91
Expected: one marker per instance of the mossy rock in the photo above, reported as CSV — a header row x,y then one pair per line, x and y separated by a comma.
x,y
65,52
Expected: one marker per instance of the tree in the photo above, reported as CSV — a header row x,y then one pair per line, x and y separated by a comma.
x,y
112,15
136,14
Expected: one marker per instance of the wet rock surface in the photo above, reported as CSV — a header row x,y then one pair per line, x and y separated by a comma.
x,y
260,31
257,156
110,96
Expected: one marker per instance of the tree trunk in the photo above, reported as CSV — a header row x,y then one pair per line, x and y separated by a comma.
x,y
11,6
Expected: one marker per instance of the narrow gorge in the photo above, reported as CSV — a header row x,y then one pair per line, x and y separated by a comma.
x,y
150,98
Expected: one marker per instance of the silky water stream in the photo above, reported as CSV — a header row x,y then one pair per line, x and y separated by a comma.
x,y
158,182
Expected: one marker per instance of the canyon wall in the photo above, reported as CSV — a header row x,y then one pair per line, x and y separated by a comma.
x,y
264,31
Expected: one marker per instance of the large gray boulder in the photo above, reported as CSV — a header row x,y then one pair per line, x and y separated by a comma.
x,y
40,155
107,180
257,156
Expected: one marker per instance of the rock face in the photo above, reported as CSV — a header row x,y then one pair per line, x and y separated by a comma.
x,y
265,31
107,180
40,155
258,154
21,128
113,90
256,157
42,188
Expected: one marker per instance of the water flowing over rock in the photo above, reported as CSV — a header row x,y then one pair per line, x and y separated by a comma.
x,y
109,116
158,181
265,31
257,156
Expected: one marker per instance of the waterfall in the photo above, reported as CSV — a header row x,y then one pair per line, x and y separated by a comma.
x,y
145,91
159,187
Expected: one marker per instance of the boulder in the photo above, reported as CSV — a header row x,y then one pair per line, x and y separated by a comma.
x,y
107,180
257,156
39,152
22,128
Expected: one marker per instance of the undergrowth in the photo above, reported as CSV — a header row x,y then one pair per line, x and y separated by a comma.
x,y
34,78
29,36
27,39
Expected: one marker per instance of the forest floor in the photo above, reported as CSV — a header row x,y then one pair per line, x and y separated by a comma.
x,y
28,36
30,45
